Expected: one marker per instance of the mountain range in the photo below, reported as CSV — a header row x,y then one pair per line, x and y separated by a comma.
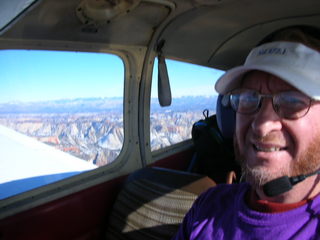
x,y
92,129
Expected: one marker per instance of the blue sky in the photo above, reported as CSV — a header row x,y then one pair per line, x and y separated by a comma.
x,y
42,75
190,80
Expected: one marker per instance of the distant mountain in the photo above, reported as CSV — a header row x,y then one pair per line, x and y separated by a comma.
x,y
89,105
79,105
187,103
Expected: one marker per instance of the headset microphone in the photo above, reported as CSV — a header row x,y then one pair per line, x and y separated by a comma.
x,y
283,184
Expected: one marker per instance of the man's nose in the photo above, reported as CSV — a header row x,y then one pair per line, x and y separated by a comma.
x,y
266,119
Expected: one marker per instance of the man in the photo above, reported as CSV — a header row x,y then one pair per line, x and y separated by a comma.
x,y
277,140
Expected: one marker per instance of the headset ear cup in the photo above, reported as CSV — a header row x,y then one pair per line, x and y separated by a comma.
x,y
226,117
225,101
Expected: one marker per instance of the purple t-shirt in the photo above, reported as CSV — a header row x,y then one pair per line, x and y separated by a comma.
x,y
221,213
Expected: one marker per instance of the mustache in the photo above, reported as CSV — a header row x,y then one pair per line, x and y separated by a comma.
x,y
269,138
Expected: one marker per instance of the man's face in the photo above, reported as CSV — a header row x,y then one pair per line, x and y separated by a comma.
x,y
269,146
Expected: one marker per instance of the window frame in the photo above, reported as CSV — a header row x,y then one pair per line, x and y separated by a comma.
x,y
130,153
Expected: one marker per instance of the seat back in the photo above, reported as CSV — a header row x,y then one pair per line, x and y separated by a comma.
x,y
153,203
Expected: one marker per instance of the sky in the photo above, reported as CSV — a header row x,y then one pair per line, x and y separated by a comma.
x,y
189,79
28,76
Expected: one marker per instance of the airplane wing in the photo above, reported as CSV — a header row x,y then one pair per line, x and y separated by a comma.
x,y
27,163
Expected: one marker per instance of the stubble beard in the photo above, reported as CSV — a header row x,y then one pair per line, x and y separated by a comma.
x,y
307,162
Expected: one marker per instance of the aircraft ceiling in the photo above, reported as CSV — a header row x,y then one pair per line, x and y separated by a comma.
x,y
216,33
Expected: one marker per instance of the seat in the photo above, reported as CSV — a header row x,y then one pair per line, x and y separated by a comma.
x,y
153,203
213,144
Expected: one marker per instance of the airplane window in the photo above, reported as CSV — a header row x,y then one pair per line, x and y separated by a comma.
x,y
61,113
192,89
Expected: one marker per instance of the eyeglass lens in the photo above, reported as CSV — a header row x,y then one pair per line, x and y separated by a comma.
x,y
290,104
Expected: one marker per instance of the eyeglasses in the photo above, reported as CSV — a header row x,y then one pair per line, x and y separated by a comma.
x,y
288,105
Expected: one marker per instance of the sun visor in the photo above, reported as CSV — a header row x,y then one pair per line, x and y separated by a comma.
x,y
164,90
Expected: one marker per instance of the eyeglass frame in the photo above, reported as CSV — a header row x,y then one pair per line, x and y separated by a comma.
x,y
226,101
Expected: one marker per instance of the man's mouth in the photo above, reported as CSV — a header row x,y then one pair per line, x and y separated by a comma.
x,y
259,148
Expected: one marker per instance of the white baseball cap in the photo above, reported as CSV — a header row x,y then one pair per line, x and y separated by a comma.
x,y
293,62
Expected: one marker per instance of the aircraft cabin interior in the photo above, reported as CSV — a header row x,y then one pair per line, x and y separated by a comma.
x,y
110,126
